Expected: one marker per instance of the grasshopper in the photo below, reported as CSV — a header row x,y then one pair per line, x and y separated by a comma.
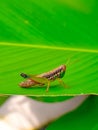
x,y
44,79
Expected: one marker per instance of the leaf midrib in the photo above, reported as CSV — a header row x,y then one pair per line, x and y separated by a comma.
x,y
49,47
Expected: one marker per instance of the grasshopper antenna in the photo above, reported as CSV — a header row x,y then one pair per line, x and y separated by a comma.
x,y
68,60
68,63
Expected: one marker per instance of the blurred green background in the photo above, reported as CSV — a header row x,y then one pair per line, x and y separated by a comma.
x,y
72,23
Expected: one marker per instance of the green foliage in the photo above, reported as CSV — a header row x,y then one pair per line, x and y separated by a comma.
x,y
80,77
84,118
39,36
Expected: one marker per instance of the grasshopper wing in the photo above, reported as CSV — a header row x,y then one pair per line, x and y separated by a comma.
x,y
38,79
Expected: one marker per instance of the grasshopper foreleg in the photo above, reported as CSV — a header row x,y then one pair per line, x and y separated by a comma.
x,y
61,82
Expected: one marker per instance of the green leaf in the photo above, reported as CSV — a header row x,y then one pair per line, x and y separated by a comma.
x,y
36,37
80,77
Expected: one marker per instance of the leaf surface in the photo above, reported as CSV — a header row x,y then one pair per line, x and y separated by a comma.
x,y
36,37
